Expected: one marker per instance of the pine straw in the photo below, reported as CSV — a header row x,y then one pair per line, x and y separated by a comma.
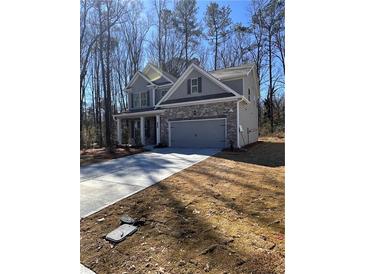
x,y
97,155
222,215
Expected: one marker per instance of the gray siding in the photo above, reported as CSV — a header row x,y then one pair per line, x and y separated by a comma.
x,y
208,87
236,85
139,85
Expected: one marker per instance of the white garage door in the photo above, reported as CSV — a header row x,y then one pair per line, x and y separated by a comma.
x,y
198,133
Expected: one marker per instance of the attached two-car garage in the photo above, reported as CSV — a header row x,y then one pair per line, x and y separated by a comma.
x,y
198,133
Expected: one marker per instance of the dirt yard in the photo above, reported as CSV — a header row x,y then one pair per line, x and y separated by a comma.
x,y
222,215
96,155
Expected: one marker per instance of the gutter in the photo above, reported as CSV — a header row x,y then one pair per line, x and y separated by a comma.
x,y
141,113
200,102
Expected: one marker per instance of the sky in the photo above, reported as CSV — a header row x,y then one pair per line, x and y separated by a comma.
x,y
239,13
239,8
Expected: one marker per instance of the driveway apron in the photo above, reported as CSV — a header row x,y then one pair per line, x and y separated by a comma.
x,y
103,184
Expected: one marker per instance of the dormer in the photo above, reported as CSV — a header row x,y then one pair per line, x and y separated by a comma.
x,y
146,88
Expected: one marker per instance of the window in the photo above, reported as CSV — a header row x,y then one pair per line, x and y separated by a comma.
x,y
249,94
163,93
194,85
144,99
140,99
136,100
159,94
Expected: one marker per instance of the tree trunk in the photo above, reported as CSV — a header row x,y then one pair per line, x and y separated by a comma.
x,y
271,90
159,37
107,94
99,136
81,122
186,45
216,51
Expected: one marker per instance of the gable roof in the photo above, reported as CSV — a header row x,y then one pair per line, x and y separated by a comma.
x,y
203,72
135,77
237,72
162,73
168,78
233,72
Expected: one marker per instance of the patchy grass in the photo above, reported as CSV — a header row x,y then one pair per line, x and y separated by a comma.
x,y
96,155
222,215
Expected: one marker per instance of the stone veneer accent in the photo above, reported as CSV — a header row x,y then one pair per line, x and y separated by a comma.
x,y
200,112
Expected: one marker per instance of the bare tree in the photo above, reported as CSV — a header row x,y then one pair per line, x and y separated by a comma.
x,y
96,20
257,48
160,11
235,49
279,36
135,30
109,13
266,18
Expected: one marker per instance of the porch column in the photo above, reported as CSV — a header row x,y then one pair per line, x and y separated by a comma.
x,y
119,131
142,131
158,131
153,96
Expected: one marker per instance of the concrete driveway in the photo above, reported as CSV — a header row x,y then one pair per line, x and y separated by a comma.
x,y
105,183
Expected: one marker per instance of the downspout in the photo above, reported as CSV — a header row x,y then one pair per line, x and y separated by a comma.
x,y
238,122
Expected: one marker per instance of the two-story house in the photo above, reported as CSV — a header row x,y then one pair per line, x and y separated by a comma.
x,y
199,109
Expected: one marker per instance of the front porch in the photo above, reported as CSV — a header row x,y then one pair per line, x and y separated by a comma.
x,y
138,128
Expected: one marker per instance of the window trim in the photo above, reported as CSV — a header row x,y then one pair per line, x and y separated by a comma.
x,y
143,93
139,99
136,95
197,85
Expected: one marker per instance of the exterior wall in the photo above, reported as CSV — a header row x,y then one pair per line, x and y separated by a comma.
x,y
248,113
200,112
248,120
139,85
208,87
250,83
236,85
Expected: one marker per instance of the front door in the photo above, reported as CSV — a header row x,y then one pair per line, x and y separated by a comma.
x,y
136,133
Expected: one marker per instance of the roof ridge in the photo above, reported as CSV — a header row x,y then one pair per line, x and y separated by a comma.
x,y
236,67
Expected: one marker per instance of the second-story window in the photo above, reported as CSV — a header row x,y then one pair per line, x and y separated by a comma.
x,y
194,85
136,100
144,99
249,94
163,93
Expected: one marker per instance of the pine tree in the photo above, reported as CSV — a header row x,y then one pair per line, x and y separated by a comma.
x,y
186,25
218,22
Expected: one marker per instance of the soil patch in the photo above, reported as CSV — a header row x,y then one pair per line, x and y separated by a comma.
x,y
222,215
96,155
